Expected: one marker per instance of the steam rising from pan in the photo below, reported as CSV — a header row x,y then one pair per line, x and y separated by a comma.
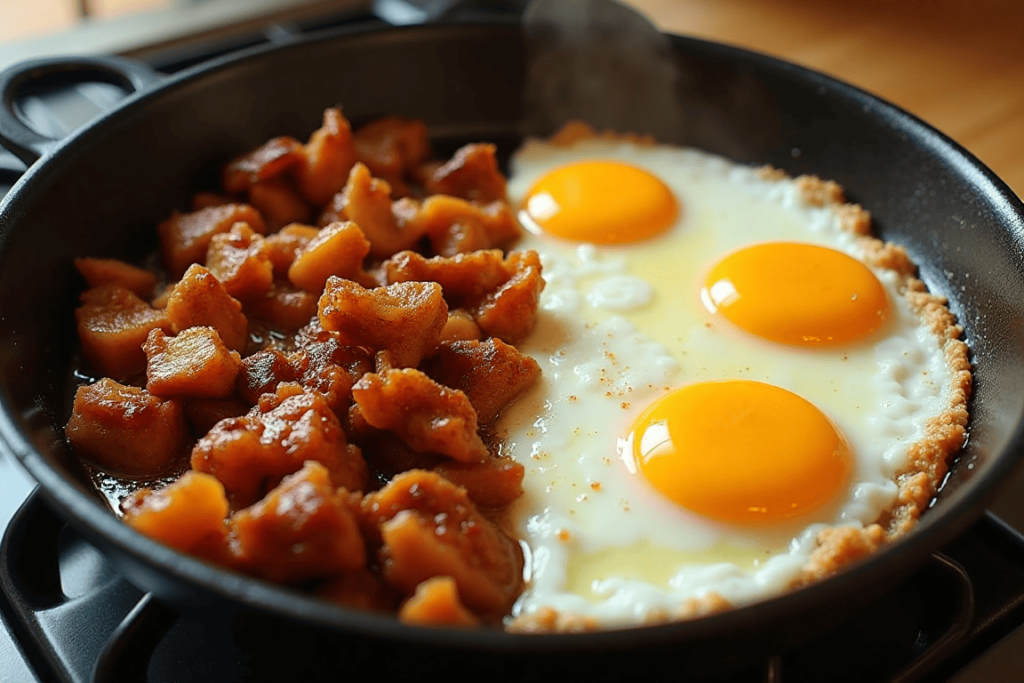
x,y
601,62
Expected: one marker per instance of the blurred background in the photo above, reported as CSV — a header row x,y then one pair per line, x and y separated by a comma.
x,y
957,64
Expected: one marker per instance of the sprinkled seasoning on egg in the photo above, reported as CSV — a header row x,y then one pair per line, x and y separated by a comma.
x,y
725,375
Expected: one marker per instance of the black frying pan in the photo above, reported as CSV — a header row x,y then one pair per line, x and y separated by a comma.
x,y
101,192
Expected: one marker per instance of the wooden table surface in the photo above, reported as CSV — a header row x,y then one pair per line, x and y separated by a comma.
x,y
956,64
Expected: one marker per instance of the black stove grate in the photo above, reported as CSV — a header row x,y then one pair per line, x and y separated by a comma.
x,y
76,620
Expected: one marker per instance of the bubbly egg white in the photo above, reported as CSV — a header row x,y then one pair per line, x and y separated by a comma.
x,y
620,326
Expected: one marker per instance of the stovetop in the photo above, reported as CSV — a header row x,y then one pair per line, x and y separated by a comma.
x,y
66,616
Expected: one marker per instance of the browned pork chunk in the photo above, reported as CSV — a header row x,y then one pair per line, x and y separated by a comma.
x,y
500,292
391,147
491,373
199,299
251,454
279,203
286,243
456,225
404,319
305,528
109,271
127,430
184,237
367,201
460,326
193,363
267,161
338,249
509,312
188,514
464,278
426,416
327,366
491,484
472,173
429,527
240,260
436,603
328,158
262,372
330,367
284,308
113,323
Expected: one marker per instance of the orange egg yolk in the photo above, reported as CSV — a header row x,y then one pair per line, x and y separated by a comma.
x,y
603,202
800,294
741,452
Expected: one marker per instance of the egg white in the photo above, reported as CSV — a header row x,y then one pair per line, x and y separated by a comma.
x,y
620,326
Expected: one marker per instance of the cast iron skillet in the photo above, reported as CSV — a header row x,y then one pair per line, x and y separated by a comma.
x,y
102,190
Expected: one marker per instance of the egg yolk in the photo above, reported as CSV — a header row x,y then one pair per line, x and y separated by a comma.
x,y
741,452
800,294
603,202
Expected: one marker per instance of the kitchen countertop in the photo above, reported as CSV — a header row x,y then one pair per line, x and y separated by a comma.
x,y
956,64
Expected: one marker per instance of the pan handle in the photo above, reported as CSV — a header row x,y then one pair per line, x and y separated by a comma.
x,y
21,139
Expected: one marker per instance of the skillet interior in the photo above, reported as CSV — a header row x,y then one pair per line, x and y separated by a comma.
x,y
103,191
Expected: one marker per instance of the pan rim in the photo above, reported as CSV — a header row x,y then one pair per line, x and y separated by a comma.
x,y
86,512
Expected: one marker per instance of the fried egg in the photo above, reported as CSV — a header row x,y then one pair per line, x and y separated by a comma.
x,y
723,377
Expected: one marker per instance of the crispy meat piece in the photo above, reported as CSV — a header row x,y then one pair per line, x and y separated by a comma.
x,y
188,514
327,366
491,373
391,147
284,308
509,312
193,363
460,238
267,161
113,323
367,201
251,454
328,158
457,226
460,327
331,368
199,299
127,429
303,529
472,173
464,278
493,483
286,243
338,249
262,372
436,603
279,203
109,271
240,259
429,527
426,416
501,293
184,237
406,318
